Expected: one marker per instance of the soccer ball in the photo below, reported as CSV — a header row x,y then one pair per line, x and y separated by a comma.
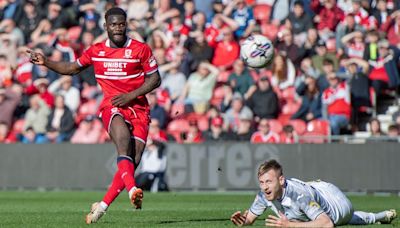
x,y
257,51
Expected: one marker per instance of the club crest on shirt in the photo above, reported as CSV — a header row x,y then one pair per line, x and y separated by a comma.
x,y
152,61
102,53
128,53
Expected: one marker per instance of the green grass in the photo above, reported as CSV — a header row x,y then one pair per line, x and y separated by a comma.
x,y
67,209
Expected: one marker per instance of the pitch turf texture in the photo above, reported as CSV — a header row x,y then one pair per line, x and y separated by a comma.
x,y
68,209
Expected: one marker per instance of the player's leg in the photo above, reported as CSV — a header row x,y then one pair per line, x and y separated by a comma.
x,y
365,218
136,195
124,177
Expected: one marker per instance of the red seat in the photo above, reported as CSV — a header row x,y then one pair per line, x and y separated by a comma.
x,y
299,126
88,108
74,33
319,126
223,76
289,94
284,118
176,127
262,13
290,107
177,110
269,30
275,125
218,96
18,126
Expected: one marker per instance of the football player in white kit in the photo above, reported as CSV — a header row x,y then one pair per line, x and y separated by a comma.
x,y
303,204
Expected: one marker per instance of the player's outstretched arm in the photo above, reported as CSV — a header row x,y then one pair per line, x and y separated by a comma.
x,y
244,219
151,82
322,220
65,68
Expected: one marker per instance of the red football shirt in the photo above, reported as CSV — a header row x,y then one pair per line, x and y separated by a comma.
x,y
120,70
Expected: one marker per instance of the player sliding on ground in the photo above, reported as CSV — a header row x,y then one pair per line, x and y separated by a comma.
x,y
303,204
126,70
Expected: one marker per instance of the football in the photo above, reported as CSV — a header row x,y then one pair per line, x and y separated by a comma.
x,y
257,51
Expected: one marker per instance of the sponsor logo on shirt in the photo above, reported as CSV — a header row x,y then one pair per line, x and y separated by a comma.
x,y
152,61
102,53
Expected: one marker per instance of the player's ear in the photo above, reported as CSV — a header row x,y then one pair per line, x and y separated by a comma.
x,y
282,180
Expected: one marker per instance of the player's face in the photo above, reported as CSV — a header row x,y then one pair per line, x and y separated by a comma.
x,y
116,29
271,183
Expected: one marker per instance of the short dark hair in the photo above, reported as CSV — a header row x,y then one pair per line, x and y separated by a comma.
x,y
299,3
115,11
268,165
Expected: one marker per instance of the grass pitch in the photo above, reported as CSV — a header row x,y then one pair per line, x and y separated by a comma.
x,y
68,209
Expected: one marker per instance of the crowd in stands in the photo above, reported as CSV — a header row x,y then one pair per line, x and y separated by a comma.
x,y
336,62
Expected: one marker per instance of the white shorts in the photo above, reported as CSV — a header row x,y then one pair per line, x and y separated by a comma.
x,y
340,208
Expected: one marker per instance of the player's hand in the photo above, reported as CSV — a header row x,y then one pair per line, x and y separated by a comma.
x,y
122,100
35,58
281,221
238,218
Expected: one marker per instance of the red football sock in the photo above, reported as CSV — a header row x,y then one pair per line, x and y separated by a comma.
x,y
117,186
127,171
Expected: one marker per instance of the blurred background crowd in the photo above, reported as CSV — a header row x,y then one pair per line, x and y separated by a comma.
x,y
335,71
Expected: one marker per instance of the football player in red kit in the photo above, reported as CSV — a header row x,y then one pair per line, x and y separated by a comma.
x,y
126,70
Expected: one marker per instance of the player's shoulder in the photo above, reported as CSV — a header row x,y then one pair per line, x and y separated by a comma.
x,y
296,187
138,44
97,46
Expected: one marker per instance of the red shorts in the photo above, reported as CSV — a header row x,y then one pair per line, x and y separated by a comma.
x,y
138,119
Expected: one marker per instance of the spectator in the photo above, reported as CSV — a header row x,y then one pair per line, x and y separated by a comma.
x,y
392,27
240,79
44,72
354,45
371,47
8,103
311,106
264,102
88,131
283,72
5,135
199,22
237,109
156,111
393,133
280,10
5,72
310,43
243,15
40,86
375,130
301,23
359,86
198,47
264,134
151,173
348,26
61,123
289,135
198,89
216,132
63,86
322,54
29,21
384,72
226,51
155,132
193,135
336,104
36,119
327,18
381,12
172,79
288,48
244,129
214,29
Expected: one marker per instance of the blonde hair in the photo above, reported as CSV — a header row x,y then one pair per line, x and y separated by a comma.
x,y
268,165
